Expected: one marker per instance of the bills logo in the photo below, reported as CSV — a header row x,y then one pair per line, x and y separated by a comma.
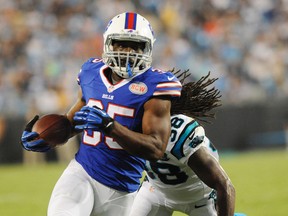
x,y
108,25
107,96
138,88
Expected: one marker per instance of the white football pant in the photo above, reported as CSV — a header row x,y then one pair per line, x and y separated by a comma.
x,y
77,194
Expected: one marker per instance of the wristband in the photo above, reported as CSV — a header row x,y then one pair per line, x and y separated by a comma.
x,y
108,126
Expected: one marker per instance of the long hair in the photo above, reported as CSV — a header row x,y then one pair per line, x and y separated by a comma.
x,y
197,100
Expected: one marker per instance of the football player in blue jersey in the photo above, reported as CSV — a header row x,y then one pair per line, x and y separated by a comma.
x,y
189,178
123,112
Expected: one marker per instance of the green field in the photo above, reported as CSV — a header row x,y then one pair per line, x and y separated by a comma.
x,y
260,179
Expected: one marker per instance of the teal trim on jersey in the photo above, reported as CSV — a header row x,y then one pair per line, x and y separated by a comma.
x,y
177,150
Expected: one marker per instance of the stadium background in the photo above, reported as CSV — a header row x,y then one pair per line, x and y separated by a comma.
x,y
243,42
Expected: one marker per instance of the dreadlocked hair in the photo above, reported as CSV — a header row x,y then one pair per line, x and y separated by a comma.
x,y
196,101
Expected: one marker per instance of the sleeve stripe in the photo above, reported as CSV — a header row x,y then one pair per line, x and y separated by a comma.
x,y
168,92
169,84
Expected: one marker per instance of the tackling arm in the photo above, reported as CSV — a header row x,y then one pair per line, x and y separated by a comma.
x,y
208,169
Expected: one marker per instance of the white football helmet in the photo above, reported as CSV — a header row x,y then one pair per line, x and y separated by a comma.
x,y
128,27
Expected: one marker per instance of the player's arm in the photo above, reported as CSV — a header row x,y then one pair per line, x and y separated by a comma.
x,y
75,107
152,142
208,169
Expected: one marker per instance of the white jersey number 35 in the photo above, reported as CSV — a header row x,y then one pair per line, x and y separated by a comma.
x,y
112,111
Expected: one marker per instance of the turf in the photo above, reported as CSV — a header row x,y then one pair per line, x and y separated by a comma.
x,y
26,190
260,180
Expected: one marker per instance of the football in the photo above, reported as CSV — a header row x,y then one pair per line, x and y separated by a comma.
x,y
55,129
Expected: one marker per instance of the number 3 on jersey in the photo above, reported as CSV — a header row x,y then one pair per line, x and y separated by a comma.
x,y
112,110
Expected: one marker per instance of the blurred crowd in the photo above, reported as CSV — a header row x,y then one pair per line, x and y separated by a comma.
x,y
43,44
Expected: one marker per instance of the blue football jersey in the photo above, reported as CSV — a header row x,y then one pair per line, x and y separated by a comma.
x,y
103,158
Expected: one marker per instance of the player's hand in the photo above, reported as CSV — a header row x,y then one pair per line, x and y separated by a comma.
x,y
92,118
30,140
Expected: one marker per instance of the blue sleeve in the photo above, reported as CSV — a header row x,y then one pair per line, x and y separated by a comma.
x,y
168,84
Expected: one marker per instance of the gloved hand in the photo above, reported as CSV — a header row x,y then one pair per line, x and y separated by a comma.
x,y
93,118
30,141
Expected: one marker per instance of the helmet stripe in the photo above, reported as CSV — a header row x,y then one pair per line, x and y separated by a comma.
x,y
130,21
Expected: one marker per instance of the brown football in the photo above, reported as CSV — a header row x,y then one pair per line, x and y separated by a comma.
x,y
55,129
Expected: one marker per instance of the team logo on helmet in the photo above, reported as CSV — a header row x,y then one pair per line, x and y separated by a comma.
x,y
108,25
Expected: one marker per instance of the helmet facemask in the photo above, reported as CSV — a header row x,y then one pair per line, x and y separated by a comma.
x,y
127,64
